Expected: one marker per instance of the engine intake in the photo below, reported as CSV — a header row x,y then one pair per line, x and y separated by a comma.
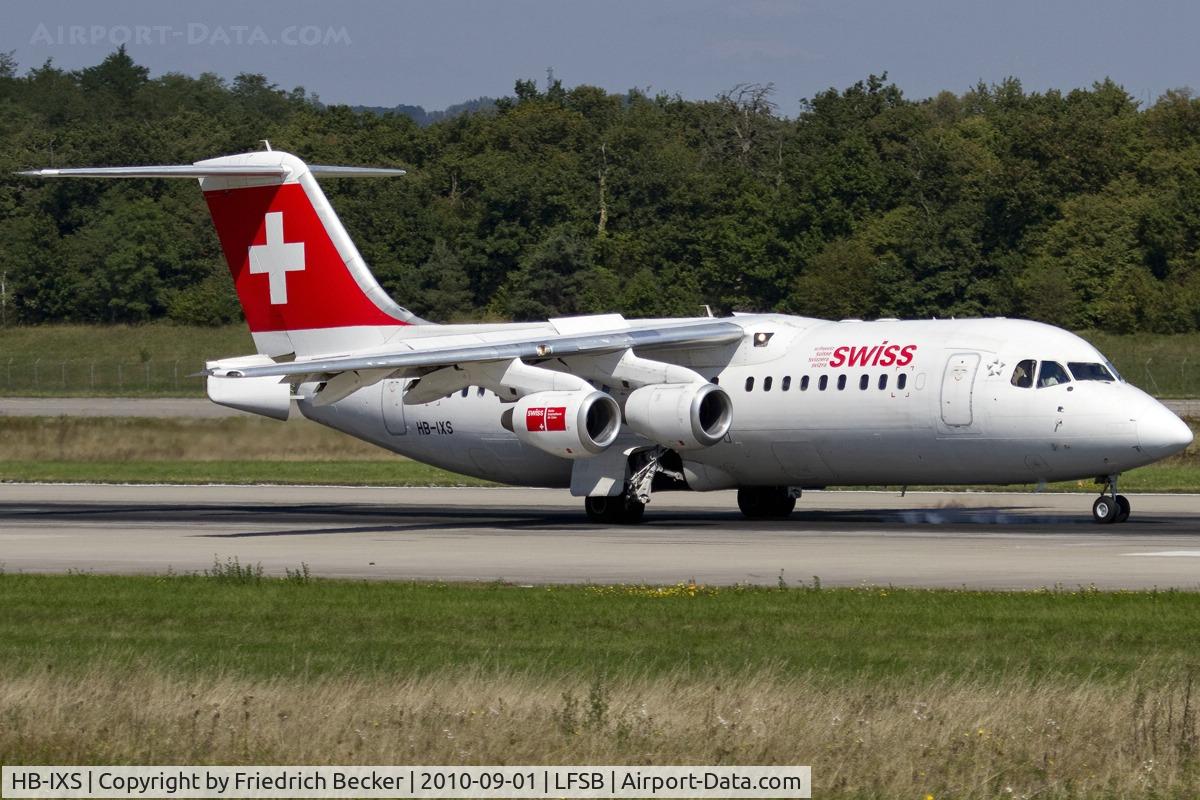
x,y
572,425
681,416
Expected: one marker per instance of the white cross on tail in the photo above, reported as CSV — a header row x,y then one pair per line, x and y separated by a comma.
x,y
276,258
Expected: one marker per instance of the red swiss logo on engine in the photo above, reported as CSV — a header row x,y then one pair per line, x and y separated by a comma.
x,y
553,418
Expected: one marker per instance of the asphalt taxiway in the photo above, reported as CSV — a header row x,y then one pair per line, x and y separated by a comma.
x,y
983,540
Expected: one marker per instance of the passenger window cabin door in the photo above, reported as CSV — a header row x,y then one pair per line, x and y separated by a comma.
x,y
958,383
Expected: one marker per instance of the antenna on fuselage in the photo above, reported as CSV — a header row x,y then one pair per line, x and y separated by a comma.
x,y
266,144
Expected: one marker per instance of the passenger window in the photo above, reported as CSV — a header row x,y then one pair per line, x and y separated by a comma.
x,y
465,390
787,383
767,383
1052,374
1023,373
883,381
864,382
901,380
841,382
804,384
750,384
823,382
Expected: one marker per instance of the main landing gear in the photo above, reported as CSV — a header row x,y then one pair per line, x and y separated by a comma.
x,y
767,502
646,467
619,510
1110,506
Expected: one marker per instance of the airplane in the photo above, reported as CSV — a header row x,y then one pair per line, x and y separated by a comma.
x,y
615,409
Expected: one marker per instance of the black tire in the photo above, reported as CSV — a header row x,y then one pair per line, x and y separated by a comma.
x,y
784,507
1104,510
752,501
614,510
765,502
1122,508
599,509
632,513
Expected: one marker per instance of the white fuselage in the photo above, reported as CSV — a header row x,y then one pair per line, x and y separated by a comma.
x,y
821,403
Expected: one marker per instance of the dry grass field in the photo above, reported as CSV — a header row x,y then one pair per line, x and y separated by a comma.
x,y
178,439
894,739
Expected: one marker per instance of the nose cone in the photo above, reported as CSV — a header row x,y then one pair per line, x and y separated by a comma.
x,y
1160,432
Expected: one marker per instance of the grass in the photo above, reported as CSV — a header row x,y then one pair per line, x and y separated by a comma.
x,y
247,624
891,740
135,439
1164,365
155,359
231,450
158,341
398,472
888,693
118,360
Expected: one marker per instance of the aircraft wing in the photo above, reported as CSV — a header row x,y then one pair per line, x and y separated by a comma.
x,y
704,332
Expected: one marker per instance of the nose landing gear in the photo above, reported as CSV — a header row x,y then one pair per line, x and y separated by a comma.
x,y
1109,506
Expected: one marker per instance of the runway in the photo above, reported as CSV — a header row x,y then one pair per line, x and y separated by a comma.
x,y
1007,541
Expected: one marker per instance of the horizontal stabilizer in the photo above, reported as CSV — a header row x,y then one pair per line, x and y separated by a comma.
x,y
354,172
211,171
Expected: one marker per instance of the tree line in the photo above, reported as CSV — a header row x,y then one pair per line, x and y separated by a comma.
x,y
1079,208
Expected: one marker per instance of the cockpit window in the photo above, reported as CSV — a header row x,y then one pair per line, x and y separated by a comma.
x,y
1023,373
1090,372
1052,374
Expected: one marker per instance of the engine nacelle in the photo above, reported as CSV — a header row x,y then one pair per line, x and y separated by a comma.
x,y
681,416
578,424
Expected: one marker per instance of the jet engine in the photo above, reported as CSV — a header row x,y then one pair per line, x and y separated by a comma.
x,y
681,416
576,424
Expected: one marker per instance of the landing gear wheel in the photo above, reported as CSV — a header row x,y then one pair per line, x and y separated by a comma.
x,y
1122,508
1110,506
614,510
765,502
1105,510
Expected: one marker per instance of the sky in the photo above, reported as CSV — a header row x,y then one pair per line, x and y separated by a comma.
x,y
436,53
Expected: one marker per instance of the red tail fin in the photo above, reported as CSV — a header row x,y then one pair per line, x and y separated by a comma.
x,y
301,281
296,271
